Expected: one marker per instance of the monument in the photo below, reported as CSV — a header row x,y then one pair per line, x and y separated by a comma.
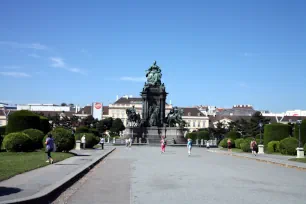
x,y
153,124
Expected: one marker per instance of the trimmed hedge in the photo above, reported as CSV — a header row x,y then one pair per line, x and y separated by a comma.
x,y
44,124
63,139
273,146
22,120
275,132
223,143
82,129
203,135
245,146
238,142
303,131
90,138
2,133
233,135
18,142
288,146
304,147
36,136
192,135
94,131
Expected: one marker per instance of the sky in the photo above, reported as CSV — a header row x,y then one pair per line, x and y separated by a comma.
x,y
217,52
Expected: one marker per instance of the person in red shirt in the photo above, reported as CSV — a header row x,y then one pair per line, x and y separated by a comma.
x,y
229,145
163,144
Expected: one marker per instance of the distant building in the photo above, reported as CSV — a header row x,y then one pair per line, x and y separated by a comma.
x,y
47,107
237,110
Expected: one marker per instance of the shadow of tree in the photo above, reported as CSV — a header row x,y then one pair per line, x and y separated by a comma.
x,y
8,190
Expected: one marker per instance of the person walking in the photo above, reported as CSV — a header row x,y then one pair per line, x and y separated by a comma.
x,y
253,147
102,143
229,145
49,147
130,142
83,140
163,144
207,144
189,146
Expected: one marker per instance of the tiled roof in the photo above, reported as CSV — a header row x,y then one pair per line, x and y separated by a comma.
x,y
192,112
85,110
105,110
124,100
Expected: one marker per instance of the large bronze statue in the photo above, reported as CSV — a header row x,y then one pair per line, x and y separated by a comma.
x,y
175,117
133,117
154,117
154,75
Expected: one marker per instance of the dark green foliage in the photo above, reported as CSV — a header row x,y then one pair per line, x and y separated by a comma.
x,y
82,129
238,142
44,124
223,143
245,146
2,133
273,146
232,134
275,132
22,120
117,126
63,139
104,125
18,142
254,123
288,146
36,136
305,147
192,135
90,138
203,135
94,131
303,132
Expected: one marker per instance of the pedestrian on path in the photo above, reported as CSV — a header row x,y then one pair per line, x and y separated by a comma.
x,y
253,147
83,140
189,146
130,142
163,144
207,144
49,147
229,145
102,143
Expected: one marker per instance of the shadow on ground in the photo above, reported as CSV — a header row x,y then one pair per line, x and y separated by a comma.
x,y
7,190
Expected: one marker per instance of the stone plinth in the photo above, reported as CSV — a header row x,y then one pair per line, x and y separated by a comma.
x,y
300,152
261,149
78,145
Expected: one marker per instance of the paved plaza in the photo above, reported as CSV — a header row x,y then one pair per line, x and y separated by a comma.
x,y
143,175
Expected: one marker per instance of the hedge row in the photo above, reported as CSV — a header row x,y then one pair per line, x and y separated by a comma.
x,y
36,136
198,135
275,132
18,142
303,132
91,139
273,146
288,146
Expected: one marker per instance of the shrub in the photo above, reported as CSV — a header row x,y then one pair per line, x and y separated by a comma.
x,y
288,146
63,139
44,124
223,143
273,146
245,146
238,142
18,142
2,133
303,131
203,135
82,129
305,147
233,135
192,135
22,120
91,139
94,131
275,132
36,136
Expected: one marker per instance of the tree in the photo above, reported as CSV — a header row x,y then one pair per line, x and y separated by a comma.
x,y
63,104
219,130
117,126
89,122
104,125
254,123
71,104
243,127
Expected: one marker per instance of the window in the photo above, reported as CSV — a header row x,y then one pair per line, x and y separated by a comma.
x,y
193,124
198,124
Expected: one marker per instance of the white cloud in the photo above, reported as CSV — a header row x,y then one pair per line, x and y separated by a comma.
x,y
134,79
35,46
11,67
59,63
34,55
15,74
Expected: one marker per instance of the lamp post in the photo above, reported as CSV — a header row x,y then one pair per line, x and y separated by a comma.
x,y
260,129
299,150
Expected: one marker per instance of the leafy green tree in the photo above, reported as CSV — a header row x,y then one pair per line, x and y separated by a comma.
x,y
254,123
104,125
243,127
63,104
117,126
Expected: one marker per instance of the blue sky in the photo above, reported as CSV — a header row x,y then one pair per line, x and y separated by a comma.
x,y
211,52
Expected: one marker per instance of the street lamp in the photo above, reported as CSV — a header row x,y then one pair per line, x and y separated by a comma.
x,y
260,127
299,122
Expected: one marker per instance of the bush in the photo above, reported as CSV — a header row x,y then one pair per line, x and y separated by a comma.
x,y
36,136
223,143
192,135
245,146
22,120
288,146
2,133
18,142
305,147
44,124
303,131
63,139
91,139
82,129
233,135
273,146
203,135
238,142
94,131
275,132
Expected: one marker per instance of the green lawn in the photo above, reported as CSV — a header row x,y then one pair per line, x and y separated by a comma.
x,y
13,163
303,160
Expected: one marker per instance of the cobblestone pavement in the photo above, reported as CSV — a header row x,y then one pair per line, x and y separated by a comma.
x,y
143,175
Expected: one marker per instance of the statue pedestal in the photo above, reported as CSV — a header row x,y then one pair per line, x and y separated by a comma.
x,y
300,152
